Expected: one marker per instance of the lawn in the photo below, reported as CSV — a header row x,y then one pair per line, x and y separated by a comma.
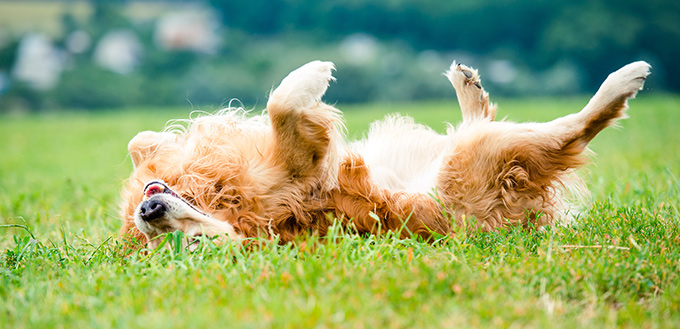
x,y
617,266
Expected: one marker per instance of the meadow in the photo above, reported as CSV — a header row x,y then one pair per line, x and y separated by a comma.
x,y
62,265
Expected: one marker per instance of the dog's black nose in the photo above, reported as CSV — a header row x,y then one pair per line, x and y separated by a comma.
x,y
151,209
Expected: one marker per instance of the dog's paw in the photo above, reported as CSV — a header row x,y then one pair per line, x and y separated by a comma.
x,y
462,75
629,79
473,99
304,87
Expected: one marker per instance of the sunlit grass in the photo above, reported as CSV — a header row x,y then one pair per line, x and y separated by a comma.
x,y
60,176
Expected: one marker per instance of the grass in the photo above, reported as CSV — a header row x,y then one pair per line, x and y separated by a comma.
x,y
62,266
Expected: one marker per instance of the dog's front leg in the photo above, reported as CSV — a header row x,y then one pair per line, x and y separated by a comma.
x,y
473,99
304,127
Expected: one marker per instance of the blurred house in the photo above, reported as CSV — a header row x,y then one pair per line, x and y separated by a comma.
x,y
78,42
359,48
119,51
4,82
39,63
189,30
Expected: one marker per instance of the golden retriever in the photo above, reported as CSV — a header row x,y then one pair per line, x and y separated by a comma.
x,y
289,171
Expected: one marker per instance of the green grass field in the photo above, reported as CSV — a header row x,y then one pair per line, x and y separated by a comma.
x,y
618,266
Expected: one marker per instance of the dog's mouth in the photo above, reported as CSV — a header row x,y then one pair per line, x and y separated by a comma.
x,y
159,187
163,210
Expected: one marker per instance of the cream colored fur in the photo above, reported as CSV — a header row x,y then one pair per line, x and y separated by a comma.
x,y
289,171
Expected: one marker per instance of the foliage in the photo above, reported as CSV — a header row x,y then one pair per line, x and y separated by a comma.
x,y
61,264
92,87
553,48
535,33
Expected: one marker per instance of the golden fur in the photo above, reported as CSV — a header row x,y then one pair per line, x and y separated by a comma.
x,y
289,170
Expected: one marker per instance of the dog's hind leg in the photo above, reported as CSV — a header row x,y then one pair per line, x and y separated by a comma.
x,y
604,109
548,151
473,99
503,173
305,129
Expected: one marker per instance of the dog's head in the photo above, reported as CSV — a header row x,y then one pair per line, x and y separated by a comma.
x,y
183,181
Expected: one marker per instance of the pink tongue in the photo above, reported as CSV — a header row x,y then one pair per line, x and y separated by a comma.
x,y
154,189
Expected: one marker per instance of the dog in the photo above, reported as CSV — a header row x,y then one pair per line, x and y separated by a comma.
x,y
290,172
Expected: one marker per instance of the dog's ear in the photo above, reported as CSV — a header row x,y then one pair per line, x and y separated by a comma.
x,y
146,142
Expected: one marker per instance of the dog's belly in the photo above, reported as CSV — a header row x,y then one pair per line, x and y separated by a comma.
x,y
402,156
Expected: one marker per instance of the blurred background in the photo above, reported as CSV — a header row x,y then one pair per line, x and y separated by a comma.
x,y
103,54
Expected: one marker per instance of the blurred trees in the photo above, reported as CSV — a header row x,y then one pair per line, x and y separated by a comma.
x,y
522,47
538,33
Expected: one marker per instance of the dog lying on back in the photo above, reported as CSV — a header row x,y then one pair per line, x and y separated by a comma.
x,y
289,171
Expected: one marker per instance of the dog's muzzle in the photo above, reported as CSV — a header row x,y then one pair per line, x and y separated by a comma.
x,y
151,209
164,211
